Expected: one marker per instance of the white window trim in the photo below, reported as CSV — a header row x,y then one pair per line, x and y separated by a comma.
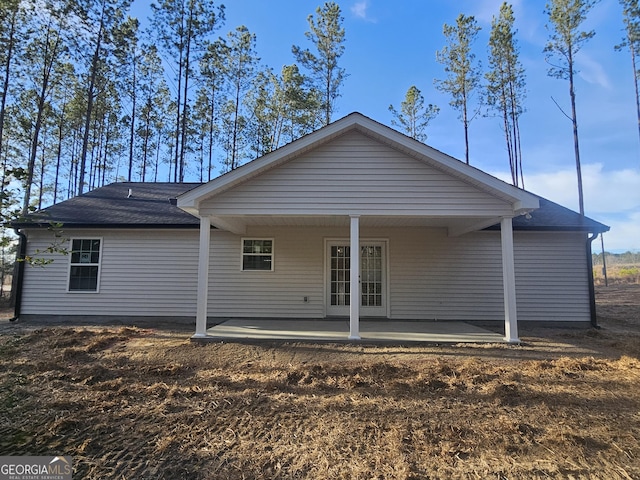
x,y
273,253
84,292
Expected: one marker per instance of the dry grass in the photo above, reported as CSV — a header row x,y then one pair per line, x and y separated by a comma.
x,y
135,403
617,274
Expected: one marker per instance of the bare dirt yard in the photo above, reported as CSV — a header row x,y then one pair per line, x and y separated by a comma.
x,y
136,403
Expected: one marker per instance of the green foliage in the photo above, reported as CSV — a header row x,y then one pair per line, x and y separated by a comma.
x,y
566,39
627,258
242,61
328,36
506,86
463,72
631,20
413,116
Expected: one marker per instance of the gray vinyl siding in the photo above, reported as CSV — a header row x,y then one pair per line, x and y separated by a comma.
x,y
431,276
355,174
446,278
551,276
143,273
297,273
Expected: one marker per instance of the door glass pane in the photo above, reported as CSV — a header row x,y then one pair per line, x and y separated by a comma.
x,y
371,275
340,275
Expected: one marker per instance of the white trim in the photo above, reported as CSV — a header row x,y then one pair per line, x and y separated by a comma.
x,y
273,253
70,264
509,281
354,303
203,278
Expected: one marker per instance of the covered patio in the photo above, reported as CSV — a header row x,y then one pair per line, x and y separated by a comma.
x,y
356,186
371,331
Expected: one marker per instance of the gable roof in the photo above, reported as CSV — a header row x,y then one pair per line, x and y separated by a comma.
x,y
148,205
119,205
521,200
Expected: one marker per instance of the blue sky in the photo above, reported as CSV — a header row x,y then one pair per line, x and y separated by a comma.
x,y
391,46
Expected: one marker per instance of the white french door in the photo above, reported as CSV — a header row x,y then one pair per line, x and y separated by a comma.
x,y
373,289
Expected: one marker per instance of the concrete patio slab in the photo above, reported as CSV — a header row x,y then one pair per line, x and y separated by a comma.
x,y
338,331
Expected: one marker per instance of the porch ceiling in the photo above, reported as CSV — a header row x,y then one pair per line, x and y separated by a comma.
x,y
454,225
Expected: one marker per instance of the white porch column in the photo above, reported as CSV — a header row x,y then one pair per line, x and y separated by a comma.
x,y
203,278
509,282
354,304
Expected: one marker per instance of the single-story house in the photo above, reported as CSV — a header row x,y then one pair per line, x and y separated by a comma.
x,y
436,239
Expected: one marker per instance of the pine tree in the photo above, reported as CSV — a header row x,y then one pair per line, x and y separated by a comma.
x,y
11,19
181,27
413,116
241,64
98,19
328,36
463,73
211,94
153,114
565,41
128,56
506,86
302,103
42,60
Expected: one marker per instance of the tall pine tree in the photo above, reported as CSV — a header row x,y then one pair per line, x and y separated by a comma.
x,y
565,41
328,36
506,86
463,72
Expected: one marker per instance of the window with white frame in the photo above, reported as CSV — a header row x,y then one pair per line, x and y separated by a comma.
x,y
257,254
84,268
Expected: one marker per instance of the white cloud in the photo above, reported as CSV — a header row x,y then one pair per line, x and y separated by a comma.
x,y
611,197
360,10
624,235
592,71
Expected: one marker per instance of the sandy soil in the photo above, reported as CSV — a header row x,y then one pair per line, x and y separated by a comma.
x,y
148,403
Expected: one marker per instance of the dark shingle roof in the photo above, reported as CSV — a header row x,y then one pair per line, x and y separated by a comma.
x,y
112,206
553,217
148,206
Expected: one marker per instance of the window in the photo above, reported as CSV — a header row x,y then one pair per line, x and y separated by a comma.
x,y
85,265
257,254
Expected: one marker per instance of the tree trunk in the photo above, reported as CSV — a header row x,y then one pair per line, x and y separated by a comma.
x,y
465,122
185,109
235,127
7,75
576,147
635,81
211,120
133,118
48,55
87,122
59,152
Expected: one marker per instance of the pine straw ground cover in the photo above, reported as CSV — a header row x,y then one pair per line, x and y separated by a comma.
x,y
130,403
